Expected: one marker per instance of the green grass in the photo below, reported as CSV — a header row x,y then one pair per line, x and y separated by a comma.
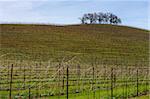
x,y
142,97
88,94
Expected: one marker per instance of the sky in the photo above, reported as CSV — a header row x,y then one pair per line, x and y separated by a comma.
x,y
135,13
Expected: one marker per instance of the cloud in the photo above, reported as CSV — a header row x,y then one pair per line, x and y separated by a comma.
x,y
68,11
32,11
20,11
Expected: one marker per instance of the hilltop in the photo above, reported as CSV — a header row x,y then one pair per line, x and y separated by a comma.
x,y
45,42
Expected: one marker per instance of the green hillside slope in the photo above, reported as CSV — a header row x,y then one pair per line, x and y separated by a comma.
x,y
107,43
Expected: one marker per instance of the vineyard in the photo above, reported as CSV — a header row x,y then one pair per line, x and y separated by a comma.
x,y
73,62
73,81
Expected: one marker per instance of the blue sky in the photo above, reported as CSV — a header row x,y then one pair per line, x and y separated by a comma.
x,y
132,12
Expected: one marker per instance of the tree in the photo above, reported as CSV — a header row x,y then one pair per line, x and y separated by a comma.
x,y
106,18
83,19
95,16
91,18
101,18
119,20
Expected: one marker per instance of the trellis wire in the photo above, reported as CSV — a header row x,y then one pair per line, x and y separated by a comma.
x,y
91,74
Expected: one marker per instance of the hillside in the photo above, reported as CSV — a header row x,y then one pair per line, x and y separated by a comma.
x,y
107,43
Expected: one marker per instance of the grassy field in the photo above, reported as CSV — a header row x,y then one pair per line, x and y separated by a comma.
x,y
103,60
48,42
142,97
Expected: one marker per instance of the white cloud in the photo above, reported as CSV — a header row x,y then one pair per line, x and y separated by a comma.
x,y
21,11
28,11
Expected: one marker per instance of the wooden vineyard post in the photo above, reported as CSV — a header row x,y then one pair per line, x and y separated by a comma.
x,y
93,84
29,93
36,71
29,81
24,77
63,81
137,83
11,77
114,78
8,74
67,82
30,74
130,77
59,74
112,83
